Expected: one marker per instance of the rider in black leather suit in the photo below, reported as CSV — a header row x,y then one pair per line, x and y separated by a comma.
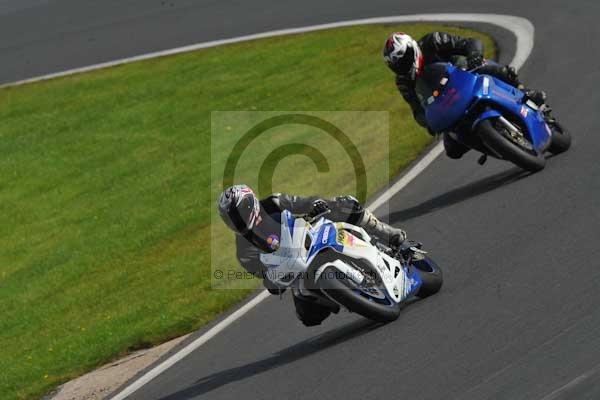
x,y
407,58
257,224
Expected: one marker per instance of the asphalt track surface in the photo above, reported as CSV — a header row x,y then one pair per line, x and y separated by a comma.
x,y
518,315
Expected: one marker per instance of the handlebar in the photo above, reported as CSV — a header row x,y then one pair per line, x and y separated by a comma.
x,y
310,219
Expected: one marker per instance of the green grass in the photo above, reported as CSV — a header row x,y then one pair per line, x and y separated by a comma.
x,y
106,196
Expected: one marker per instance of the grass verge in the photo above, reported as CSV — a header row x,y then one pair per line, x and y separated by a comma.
x,y
106,196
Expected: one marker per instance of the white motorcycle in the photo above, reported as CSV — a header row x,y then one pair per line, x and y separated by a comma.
x,y
338,264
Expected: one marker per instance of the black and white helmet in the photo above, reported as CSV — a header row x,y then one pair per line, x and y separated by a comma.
x,y
403,55
239,208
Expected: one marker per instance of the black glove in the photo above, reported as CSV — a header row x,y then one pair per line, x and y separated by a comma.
x,y
475,61
319,206
511,75
397,239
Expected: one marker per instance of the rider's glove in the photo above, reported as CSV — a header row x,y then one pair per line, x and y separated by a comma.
x,y
398,238
319,206
511,76
475,61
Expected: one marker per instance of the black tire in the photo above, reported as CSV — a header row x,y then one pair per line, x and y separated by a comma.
x,y
561,138
431,276
528,160
333,284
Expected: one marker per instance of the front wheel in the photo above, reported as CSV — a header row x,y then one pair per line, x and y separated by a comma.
x,y
514,148
371,302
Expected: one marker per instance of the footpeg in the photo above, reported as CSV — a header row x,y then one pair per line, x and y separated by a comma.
x,y
482,159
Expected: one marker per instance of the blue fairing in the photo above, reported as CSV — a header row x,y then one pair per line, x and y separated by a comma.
x,y
414,280
324,237
464,90
449,107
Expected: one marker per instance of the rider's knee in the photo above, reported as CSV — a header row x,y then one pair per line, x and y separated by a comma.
x,y
309,312
454,149
455,155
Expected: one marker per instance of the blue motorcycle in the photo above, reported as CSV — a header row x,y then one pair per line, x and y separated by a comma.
x,y
489,116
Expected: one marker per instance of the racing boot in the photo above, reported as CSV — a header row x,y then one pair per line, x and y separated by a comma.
x,y
384,232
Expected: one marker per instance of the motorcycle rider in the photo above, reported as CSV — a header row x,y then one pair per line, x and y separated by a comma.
x,y
408,58
257,224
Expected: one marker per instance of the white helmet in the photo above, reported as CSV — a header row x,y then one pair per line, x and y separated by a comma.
x,y
403,55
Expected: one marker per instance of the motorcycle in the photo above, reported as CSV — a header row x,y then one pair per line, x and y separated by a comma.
x,y
490,116
338,264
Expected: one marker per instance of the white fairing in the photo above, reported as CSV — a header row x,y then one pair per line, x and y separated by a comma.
x,y
347,270
292,258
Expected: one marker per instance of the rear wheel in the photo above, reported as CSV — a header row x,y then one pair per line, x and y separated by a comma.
x,y
370,302
561,138
511,146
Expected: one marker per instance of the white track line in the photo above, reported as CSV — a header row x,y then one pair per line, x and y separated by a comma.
x,y
212,332
520,27
563,391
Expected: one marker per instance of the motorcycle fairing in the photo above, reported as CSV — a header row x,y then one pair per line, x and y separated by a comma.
x,y
292,257
504,97
459,91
